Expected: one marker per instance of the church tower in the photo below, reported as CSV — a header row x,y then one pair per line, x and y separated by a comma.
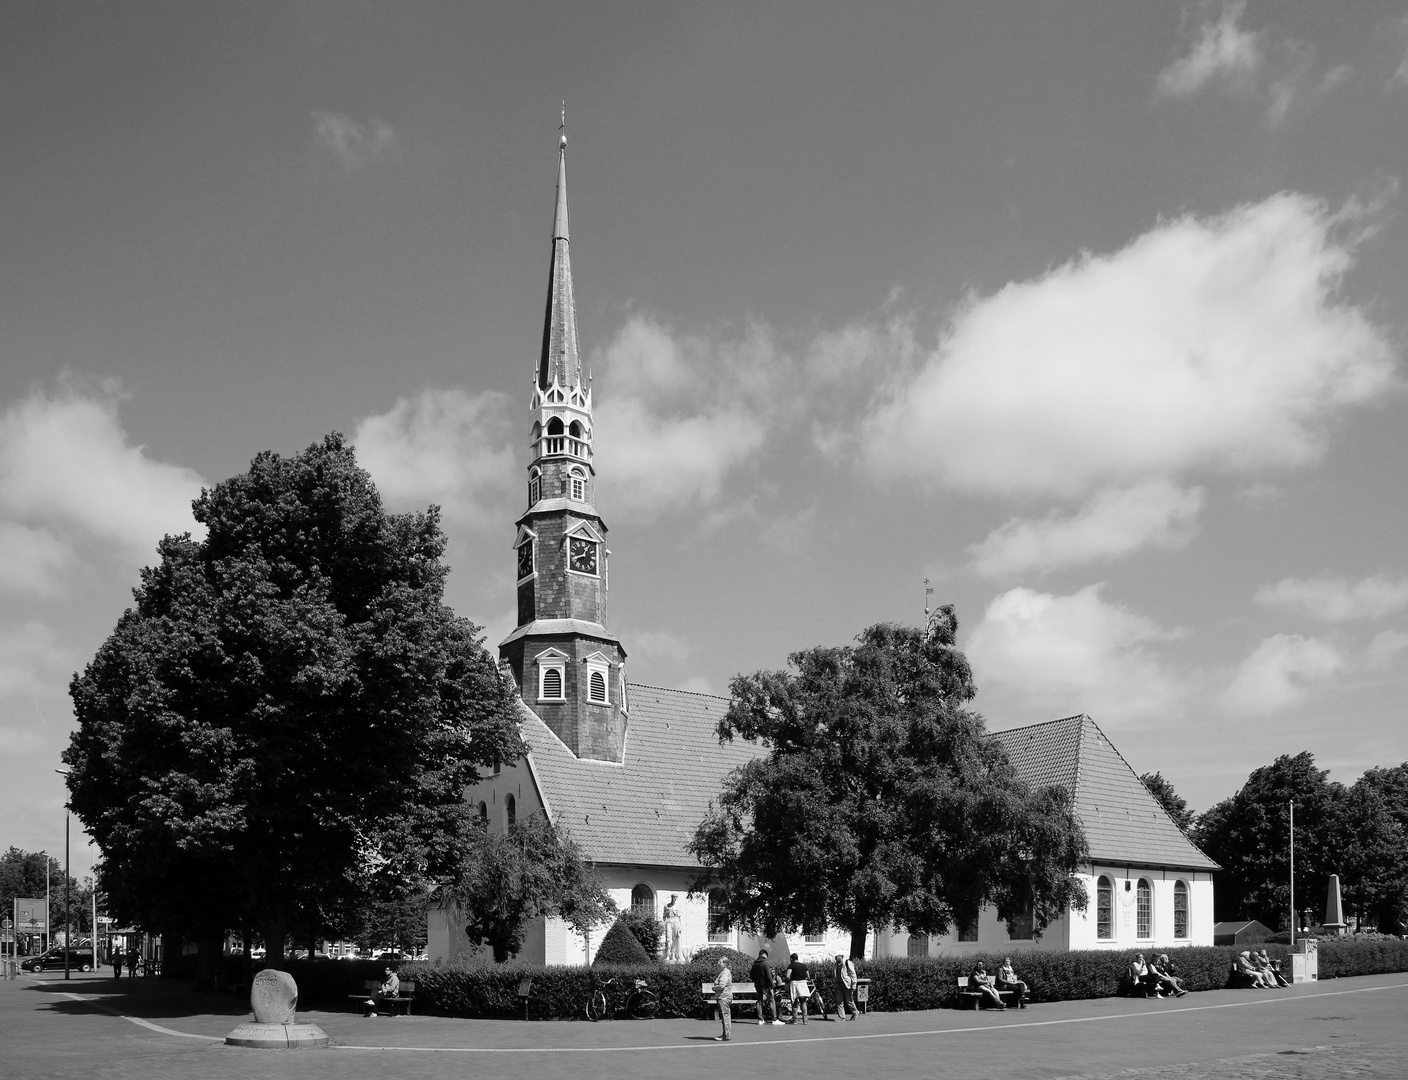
x,y
569,667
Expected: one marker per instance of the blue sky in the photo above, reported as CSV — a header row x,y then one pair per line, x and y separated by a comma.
x,y
1090,313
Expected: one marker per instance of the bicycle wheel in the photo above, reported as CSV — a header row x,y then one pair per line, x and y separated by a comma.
x,y
643,1005
596,1006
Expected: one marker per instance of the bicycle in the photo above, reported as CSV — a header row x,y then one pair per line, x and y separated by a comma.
x,y
642,1003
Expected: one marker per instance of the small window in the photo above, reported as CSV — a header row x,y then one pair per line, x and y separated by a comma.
x,y
918,945
1180,910
535,487
510,811
812,937
968,924
1104,910
484,814
578,485
551,688
1021,927
1144,910
643,899
598,687
720,929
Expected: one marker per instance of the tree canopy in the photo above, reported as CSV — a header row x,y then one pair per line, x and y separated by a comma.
x,y
288,708
1174,804
507,879
881,799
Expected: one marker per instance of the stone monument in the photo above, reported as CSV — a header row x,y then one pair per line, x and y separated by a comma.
x,y
274,996
1334,907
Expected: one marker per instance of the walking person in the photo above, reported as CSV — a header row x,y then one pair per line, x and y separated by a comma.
x,y
723,994
844,978
132,964
117,963
799,988
762,976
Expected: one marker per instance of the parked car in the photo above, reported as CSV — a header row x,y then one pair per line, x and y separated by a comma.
x,y
79,960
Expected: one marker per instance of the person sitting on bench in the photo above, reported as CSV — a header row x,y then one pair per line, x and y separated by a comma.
x,y
1159,970
387,992
1247,972
1007,980
1268,969
983,983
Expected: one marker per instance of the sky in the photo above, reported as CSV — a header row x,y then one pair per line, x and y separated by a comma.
x,y
1091,315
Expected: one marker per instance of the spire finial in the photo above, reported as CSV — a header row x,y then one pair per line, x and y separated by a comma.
x,y
562,130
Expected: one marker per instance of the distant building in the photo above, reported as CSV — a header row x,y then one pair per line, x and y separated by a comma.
x,y
630,770
1240,932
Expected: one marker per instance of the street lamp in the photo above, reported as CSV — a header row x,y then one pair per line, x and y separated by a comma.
x,y
68,932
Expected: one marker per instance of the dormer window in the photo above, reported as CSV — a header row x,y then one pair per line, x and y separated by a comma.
x,y
577,484
598,679
552,672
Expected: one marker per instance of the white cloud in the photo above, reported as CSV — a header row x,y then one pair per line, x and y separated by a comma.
x,y
697,684
1337,599
1205,344
70,480
659,645
1115,522
445,447
355,145
1384,649
683,413
1221,51
1400,74
1281,672
1039,655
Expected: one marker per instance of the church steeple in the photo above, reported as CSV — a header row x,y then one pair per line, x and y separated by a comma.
x,y
569,667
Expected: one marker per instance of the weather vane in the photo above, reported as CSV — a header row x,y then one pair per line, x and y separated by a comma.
x,y
928,592
562,127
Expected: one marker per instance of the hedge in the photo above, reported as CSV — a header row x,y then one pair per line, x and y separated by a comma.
x,y
482,990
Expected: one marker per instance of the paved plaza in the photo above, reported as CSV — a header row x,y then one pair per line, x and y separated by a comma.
x,y
97,1027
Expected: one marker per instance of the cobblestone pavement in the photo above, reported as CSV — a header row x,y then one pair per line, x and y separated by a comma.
x,y
91,1028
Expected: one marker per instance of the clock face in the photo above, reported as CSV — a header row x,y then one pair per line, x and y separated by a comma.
x,y
582,557
525,560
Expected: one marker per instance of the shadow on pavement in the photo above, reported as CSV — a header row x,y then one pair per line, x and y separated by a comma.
x,y
151,1000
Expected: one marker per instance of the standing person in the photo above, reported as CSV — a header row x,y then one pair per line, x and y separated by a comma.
x,y
723,994
761,974
117,963
674,930
799,989
844,978
1007,980
132,963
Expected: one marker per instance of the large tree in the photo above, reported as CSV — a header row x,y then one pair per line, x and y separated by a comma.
x,y
288,707
881,799
1374,869
507,879
1174,804
1249,836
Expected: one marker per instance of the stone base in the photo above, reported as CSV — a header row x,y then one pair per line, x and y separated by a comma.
x,y
277,1036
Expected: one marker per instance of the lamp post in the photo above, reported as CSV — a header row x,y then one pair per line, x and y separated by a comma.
x,y
68,932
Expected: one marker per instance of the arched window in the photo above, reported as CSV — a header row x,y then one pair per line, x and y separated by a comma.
x,y
1180,909
535,487
575,446
484,815
1144,910
554,442
1104,909
918,945
577,485
551,689
643,899
720,929
510,811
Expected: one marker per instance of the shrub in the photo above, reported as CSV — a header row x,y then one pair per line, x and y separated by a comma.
x,y
739,963
649,930
621,946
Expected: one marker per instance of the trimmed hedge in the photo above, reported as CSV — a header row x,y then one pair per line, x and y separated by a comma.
x,y
482,990
621,946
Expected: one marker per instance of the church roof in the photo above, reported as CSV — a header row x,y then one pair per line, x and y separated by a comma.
x,y
642,810
1123,823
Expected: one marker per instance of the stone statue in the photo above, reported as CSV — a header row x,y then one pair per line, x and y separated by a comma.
x,y
674,930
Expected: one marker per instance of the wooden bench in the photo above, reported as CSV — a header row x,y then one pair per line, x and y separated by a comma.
x,y
743,994
976,995
402,1000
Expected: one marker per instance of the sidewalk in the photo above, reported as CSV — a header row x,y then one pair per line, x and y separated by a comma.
x,y
95,1027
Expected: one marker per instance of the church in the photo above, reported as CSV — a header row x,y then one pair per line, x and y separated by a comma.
x,y
629,771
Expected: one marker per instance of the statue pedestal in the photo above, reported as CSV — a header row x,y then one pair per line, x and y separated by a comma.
x,y
277,1036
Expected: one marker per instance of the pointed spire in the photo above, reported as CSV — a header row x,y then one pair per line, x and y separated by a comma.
x,y
561,360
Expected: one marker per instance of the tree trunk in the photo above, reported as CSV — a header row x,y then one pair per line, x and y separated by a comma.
x,y
275,935
860,929
209,953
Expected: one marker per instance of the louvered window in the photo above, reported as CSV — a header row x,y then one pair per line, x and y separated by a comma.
x,y
598,686
552,683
